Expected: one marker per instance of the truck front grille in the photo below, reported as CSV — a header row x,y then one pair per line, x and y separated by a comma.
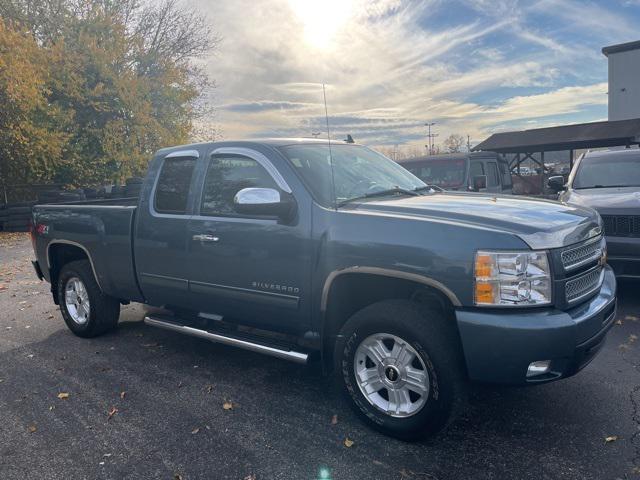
x,y
583,285
575,257
621,225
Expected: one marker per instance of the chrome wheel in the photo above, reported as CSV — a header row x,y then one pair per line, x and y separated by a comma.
x,y
76,299
391,375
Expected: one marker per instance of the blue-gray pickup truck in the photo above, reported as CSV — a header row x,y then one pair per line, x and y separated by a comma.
x,y
330,252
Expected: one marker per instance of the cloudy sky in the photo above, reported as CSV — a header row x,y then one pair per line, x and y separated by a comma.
x,y
472,66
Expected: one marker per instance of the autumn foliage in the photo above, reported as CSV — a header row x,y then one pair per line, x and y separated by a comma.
x,y
89,89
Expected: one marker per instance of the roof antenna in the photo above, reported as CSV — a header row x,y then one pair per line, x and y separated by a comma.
x,y
333,180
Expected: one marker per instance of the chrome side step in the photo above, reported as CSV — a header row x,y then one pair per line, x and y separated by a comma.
x,y
297,357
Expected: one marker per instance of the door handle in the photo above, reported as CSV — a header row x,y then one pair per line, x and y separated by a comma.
x,y
205,237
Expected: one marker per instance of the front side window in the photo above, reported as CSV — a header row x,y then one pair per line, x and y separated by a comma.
x,y
172,189
225,177
601,171
353,169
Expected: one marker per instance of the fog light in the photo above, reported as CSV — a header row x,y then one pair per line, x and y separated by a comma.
x,y
538,368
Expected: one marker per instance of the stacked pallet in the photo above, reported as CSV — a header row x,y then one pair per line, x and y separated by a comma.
x,y
15,217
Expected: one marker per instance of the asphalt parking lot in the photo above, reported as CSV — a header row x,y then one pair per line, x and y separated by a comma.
x,y
146,403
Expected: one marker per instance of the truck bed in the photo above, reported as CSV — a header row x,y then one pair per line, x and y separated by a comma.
x,y
104,230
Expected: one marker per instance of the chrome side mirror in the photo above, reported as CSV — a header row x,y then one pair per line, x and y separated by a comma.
x,y
264,201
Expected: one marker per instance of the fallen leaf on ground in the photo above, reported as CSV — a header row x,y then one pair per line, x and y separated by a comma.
x,y
610,439
195,430
633,318
50,316
209,388
633,338
334,420
348,443
32,428
112,412
122,395
63,395
227,405
177,476
618,322
250,477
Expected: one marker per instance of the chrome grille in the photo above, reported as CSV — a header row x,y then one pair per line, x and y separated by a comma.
x,y
581,286
577,256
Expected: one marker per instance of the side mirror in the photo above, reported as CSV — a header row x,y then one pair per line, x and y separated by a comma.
x,y
264,201
479,183
556,183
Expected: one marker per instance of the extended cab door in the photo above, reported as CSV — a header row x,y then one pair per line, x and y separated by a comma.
x,y
160,238
254,270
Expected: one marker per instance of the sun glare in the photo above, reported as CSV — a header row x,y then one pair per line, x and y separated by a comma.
x,y
322,20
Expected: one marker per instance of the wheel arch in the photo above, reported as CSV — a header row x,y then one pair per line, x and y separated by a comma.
x,y
349,290
61,252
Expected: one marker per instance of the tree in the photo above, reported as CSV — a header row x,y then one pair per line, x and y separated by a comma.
x,y
31,143
120,81
454,143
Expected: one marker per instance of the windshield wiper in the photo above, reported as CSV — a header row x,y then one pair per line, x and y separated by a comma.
x,y
605,186
380,193
429,187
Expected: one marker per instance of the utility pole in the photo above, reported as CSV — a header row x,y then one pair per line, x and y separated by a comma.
x,y
468,143
430,136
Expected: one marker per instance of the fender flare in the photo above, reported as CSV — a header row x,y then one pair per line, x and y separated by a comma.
x,y
75,244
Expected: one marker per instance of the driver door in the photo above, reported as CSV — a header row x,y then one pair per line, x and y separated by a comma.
x,y
251,269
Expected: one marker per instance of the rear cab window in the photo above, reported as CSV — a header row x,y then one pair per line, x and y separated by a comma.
x,y
172,189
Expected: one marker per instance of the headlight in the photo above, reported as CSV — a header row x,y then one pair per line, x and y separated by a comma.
x,y
512,278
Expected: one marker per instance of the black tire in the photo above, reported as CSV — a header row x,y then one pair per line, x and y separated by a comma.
x,y
17,223
132,190
104,310
134,181
434,338
17,211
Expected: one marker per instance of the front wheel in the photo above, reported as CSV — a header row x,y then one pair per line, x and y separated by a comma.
x,y
402,368
86,310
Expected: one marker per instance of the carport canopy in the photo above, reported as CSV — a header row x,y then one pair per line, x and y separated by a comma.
x,y
565,137
524,144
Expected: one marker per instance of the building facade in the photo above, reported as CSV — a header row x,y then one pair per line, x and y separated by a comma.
x,y
624,80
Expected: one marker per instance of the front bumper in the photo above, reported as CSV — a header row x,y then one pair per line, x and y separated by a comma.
x,y
499,344
624,256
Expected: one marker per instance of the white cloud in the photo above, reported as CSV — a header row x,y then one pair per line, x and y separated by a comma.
x,y
389,67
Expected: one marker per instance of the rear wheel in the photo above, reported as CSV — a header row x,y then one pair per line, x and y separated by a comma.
x,y
402,368
86,310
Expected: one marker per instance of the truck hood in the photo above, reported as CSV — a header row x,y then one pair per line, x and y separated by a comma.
x,y
540,223
615,198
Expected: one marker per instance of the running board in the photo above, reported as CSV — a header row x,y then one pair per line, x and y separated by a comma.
x,y
297,357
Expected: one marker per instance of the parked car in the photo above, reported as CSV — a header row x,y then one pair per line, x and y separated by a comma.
x,y
482,171
334,253
609,181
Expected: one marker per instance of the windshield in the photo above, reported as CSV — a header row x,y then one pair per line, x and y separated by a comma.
x,y
443,173
602,171
357,171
